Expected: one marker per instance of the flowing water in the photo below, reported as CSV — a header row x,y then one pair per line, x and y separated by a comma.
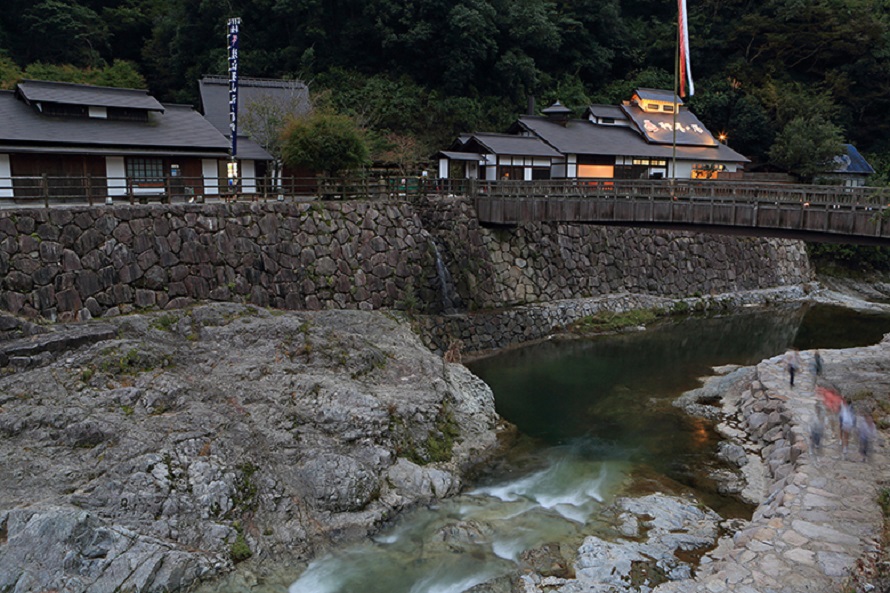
x,y
597,421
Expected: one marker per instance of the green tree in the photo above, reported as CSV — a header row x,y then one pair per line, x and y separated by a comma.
x,y
806,146
121,74
57,31
264,116
10,73
326,142
725,106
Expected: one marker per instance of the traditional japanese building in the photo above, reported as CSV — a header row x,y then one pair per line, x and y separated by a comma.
x,y
851,169
264,105
91,141
648,137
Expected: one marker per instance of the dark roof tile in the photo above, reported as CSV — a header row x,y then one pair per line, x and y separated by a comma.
x,y
215,97
852,162
584,137
87,95
510,144
178,128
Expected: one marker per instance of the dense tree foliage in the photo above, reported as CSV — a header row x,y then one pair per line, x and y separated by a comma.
x,y
807,146
325,142
428,69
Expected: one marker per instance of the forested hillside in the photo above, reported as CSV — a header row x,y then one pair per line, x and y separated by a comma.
x,y
418,72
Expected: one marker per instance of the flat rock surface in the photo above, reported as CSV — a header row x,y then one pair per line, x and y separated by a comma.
x,y
153,451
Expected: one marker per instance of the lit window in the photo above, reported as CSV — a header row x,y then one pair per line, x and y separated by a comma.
x,y
596,171
709,171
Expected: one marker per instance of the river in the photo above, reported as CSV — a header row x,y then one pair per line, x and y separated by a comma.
x,y
597,420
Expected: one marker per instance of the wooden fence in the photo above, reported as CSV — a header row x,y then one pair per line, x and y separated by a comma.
x,y
47,190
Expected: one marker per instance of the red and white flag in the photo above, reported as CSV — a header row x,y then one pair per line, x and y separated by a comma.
x,y
685,69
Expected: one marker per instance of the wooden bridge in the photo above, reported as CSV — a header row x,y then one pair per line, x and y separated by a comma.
x,y
808,212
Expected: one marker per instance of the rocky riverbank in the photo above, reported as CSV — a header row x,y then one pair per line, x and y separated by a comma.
x,y
150,452
819,521
156,451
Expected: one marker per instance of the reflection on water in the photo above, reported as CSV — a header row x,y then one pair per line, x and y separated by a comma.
x,y
596,413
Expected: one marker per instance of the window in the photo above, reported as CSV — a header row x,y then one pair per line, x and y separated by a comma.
x,y
596,171
608,120
144,170
511,173
668,108
707,171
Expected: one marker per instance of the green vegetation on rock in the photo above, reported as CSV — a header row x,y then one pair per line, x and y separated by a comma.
x,y
610,321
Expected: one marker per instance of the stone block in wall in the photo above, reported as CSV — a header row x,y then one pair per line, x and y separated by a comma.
x,y
50,252
145,298
69,300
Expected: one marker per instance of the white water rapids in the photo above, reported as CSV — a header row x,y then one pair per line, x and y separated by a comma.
x,y
477,536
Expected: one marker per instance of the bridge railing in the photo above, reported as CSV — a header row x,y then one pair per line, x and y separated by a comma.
x,y
685,189
47,190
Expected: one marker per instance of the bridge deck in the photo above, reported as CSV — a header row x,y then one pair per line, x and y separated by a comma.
x,y
823,213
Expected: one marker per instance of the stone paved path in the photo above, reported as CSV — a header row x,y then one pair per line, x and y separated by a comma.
x,y
819,519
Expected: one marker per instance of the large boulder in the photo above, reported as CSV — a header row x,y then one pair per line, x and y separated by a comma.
x,y
179,444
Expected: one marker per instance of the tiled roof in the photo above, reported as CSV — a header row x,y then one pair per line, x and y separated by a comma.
x,y
510,144
248,149
178,128
613,111
584,137
852,162
91,96
659,127
459,156
657,95
215,97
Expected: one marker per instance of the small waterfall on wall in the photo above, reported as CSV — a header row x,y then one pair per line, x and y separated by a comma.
x,y
448,298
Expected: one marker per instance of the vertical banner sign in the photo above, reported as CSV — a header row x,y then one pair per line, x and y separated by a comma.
x,y
233,27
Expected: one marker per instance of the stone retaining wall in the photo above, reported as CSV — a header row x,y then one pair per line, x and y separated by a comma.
x,y
545,262
487,330
425,257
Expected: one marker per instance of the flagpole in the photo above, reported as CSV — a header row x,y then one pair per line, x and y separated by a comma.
x,y
676,104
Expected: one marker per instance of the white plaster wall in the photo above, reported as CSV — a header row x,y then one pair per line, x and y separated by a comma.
x,y
572,166
443,168
211,176
5,177
116,172
683,171
248,176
